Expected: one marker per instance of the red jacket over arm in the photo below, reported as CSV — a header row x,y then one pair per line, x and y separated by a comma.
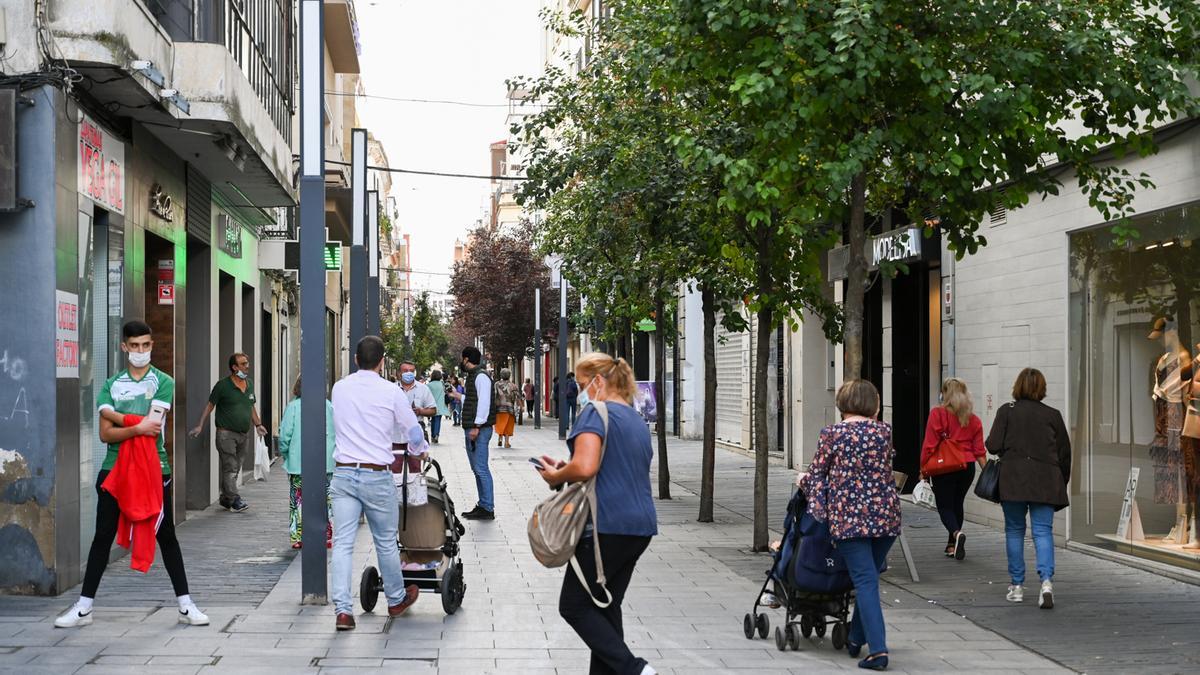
x,y
136,482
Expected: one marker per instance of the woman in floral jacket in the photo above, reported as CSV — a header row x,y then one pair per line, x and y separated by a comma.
x,y
849,486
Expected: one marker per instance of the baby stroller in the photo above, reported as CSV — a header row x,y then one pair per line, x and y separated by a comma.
x,y
809,577
428,536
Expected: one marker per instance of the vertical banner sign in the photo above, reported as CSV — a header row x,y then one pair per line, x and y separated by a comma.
x,y
166,282
66,335
101,166
1129,526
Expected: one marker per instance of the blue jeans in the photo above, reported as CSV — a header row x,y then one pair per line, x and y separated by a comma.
x,y
477,455
1042,518
571,412
435,425
864,557
363,491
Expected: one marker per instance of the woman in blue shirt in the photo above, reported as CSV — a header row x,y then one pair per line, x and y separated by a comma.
x,y
625,507
289,449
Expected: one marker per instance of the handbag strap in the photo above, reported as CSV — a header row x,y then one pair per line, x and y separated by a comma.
x,y
589,492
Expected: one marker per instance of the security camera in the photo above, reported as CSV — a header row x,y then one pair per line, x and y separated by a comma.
x,y
168,93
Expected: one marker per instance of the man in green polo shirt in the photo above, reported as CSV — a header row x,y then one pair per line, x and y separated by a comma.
x,y
233,399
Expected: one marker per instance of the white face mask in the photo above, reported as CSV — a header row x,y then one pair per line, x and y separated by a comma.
x,y
139,359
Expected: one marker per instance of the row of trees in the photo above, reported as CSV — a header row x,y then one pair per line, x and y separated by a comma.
x,y
728,145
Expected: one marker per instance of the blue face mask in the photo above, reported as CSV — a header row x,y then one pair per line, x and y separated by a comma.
x,y
242,375
583,397
408,378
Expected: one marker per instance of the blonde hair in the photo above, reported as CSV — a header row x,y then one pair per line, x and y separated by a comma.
x,y
858,397
617,374
957,399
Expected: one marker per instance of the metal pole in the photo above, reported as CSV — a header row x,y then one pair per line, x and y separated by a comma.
x,y
373,327
562,356
537,358
358,252
313,575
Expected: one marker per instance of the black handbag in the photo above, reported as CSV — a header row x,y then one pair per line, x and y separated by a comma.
x,y
988,485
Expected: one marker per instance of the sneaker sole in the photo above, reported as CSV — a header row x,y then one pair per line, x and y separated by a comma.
x,y
1046,601
960,546
189,622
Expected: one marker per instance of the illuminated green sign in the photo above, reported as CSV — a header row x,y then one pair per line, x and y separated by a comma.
x,y
333,257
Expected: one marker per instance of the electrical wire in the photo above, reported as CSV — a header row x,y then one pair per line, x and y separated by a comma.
x,y
438,174
435,101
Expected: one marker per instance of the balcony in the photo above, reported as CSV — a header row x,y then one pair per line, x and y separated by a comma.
x,y
341,35
231,62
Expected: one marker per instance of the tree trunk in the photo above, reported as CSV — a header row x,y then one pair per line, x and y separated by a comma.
x,y
856,278
761,361
708,450
660,401
759,397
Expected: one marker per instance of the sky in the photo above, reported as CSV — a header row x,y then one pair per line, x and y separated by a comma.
x,y
458,50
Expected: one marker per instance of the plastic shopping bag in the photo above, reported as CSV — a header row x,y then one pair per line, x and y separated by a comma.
x,y
923,494
262,460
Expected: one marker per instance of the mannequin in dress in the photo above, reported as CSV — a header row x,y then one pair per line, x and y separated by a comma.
x,y
1190,445
1172,385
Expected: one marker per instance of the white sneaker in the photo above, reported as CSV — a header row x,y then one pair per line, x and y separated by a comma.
x,y
647,670
1046,597
192,616
74,618
1015,593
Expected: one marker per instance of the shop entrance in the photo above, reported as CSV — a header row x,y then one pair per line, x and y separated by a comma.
x,y
160,315
911,372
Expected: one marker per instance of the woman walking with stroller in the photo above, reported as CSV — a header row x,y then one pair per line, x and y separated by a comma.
x,y
953,428
625,507
850,487
1035,466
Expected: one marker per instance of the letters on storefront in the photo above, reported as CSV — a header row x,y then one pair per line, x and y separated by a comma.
x,y
101,166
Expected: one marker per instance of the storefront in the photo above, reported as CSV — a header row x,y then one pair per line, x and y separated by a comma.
x,y
1134,386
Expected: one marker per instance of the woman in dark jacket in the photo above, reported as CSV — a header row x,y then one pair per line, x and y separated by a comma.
x,y
1035,466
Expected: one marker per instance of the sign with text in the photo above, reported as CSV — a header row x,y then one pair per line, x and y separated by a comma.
x,y
101,166
66,334
166,282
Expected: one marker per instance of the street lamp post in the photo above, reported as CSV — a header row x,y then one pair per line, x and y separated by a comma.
x,y
537,358
358,249
562,355
313,580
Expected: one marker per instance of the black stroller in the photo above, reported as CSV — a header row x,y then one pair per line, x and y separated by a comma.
x,y
809,578
428,539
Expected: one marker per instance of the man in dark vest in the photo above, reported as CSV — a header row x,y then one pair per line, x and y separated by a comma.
x,y
478,418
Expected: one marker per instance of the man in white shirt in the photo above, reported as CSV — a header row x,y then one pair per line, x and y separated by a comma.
x,y
368,411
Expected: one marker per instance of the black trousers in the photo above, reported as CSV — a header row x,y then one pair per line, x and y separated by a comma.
x,y
600,628
529,405
950,490
107,513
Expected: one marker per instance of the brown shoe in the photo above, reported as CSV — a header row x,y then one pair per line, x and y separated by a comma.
x,y
345,622
411,595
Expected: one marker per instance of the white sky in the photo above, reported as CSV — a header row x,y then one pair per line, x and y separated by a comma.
x,y
461,50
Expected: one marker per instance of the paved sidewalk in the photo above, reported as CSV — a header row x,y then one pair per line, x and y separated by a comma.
x,y
683,611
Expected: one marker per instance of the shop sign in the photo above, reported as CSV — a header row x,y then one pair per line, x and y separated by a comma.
x,y
101,166
66,335
229,236
160,203
896,246
166,282
115,273
947,298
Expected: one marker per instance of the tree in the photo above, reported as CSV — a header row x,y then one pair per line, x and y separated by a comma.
x,y
949,108
430,336
620,206
493,287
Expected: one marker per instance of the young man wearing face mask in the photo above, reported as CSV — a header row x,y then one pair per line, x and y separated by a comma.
x,y
133,391
233,399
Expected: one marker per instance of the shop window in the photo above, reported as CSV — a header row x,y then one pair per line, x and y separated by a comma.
x,y
1134,364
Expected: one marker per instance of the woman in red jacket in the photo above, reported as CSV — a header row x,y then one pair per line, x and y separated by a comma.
x,y
954,420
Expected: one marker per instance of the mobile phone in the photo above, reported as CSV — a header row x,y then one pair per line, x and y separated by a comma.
x,y
537,463
157,414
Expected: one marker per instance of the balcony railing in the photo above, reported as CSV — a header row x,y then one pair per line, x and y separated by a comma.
x,y
260,36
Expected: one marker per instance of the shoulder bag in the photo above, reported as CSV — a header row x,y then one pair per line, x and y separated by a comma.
x,y
988,485
557,524
947,457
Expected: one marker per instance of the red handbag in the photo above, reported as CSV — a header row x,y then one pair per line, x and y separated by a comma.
x,y
947,457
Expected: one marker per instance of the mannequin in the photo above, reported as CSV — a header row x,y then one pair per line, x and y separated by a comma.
x,y
1172,384
1190,447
